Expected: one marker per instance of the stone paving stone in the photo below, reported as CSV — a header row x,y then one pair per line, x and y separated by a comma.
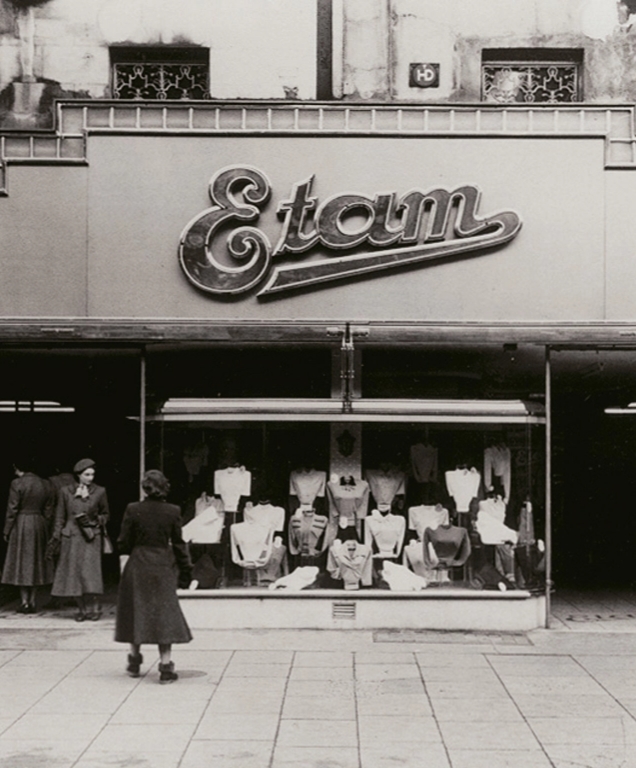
x,y
55,727
591,756
263,657
556,706
315,757
384,657
16,753
405,754
617,731
144,738
378,730
475,758
227,754
159,711
320,687
389,704
317,733
480,736
240,669
387,671
403,687
465,689
546,686
451,674
328,659
237,727
246,685
321,673
318,708
232,702
484,711
116,757
456,661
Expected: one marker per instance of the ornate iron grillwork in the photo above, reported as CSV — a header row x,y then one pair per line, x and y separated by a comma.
x,y
510,83
160,81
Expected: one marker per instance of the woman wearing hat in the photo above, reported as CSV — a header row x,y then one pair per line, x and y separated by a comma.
x,y
148,608
80,517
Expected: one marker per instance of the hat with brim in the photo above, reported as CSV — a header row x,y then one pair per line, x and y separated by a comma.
x,y
83,464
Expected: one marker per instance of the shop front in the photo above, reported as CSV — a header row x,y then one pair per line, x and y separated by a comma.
x,y
339,332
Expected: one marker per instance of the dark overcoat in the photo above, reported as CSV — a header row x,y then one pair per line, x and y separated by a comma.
x,y
29,507
148,608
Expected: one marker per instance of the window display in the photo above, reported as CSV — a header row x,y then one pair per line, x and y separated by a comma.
x,y
273,520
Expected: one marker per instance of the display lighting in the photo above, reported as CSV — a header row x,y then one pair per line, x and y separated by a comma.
x,y
358,409
34,406
630,409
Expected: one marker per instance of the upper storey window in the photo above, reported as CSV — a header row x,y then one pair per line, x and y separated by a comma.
x,y
513,76
160,73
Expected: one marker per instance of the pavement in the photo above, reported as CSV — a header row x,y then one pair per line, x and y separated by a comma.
x,y
563,697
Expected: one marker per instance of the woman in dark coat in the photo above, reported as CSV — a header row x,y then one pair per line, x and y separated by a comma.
x,y
81,515
148,608
26,533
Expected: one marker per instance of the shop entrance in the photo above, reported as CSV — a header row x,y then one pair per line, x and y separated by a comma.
x,y
594,460
60,405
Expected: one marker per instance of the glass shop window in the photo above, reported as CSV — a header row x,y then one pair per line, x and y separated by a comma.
x,y
165,73
523,76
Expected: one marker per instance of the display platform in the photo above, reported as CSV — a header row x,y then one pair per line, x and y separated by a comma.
x,y
437,608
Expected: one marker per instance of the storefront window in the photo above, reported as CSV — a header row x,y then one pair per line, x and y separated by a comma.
x,y
285,487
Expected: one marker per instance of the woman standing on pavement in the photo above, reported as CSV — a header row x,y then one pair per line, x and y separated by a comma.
x,y
148,608
80,519
26,533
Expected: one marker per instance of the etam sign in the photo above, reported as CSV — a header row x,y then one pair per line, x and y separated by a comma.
x,y
223,253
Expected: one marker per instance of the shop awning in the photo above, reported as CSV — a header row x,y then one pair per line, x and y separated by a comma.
x,y
362,410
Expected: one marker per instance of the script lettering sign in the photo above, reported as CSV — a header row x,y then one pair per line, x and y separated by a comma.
x,y
222,252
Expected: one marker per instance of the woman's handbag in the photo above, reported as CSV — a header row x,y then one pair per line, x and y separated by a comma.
x,y
53,548
107,544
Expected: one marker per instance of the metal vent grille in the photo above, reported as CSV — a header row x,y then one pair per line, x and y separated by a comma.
x,y
343,610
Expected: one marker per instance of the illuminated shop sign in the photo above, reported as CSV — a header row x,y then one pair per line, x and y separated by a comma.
x,y
222,252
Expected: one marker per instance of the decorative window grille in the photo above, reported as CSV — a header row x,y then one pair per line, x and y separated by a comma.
x,y
160,73
531,76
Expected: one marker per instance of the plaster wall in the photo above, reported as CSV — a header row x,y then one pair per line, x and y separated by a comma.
x,y
258,48
453,34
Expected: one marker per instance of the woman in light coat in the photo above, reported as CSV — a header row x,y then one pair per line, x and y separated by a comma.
x,y
80,519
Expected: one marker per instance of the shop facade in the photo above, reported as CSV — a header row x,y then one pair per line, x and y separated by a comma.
x,y
363,312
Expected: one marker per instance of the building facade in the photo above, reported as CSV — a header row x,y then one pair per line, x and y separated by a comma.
x,y
358,268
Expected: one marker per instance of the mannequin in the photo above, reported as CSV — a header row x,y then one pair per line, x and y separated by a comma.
x,y
463,486
384,532
423,457
307,534
251,544
276,566
266,514
350,561
230,483
386,483
207,524
448,546
497,468
427,516
307,484
348,498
